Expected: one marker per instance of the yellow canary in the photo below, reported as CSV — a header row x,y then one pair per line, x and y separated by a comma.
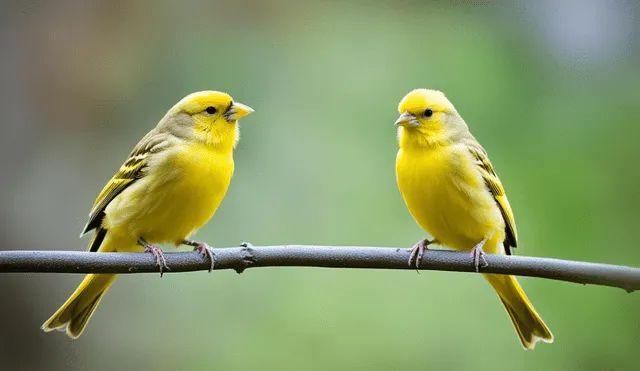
x,y
453,192
170,185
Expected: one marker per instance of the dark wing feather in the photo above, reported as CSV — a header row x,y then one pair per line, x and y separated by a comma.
x,y
97,239
132,169
495,186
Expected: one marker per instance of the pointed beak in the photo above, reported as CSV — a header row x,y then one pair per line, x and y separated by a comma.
x,y
407,119
236,111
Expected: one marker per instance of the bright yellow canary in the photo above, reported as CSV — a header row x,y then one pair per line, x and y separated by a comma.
x,y
453,192
170,185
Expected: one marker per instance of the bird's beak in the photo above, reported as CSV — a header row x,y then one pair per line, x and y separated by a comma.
x,y
236,111
407,119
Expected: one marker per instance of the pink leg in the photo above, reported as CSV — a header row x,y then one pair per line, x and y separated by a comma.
x,y
417,251
157,252
477,254
203,249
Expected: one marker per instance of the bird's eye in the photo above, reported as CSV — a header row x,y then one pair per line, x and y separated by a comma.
x,y
428,112
211,110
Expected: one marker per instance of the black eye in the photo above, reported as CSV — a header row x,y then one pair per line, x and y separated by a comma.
x,y
428,112
211,110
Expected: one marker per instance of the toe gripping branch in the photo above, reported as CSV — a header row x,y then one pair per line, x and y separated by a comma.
x,y
204,249
157,252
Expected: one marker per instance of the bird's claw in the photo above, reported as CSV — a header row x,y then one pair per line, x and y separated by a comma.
x,y
416,252
157,252
204,249
477,254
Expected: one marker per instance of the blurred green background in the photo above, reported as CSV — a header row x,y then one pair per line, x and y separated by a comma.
x,y
549,88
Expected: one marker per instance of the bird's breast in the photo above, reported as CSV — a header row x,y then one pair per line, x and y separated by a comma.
x,y
446,195
179,194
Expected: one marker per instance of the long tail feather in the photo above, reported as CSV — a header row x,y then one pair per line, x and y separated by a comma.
x,y
525,319
74,314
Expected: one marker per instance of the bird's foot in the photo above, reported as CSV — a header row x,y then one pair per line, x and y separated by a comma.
x,y
416,252
203,249
157,252
477,254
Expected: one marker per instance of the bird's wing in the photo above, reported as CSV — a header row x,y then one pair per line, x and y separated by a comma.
x,y
495,186
133,169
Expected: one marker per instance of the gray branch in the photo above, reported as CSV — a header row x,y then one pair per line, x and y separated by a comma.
x,y
241,258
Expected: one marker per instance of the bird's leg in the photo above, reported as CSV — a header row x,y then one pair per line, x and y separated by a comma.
x,y
203,249
417,251
477,253
157,252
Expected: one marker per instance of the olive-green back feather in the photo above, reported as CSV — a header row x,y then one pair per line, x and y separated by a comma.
x,y
495,187
132,169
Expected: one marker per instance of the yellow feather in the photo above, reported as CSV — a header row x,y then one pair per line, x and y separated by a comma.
x,y
453,192
170,185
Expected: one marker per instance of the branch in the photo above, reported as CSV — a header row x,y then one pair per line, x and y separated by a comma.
x,y
247,256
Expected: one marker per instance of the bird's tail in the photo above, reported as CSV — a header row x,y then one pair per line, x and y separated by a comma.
x,y
74,314
525,319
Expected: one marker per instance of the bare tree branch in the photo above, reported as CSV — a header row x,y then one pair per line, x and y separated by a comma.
x,y
247,256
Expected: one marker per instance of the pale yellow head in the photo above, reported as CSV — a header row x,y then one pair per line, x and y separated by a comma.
x,y
209,117
427,117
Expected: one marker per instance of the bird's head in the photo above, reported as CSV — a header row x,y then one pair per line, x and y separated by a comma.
x,y
427,116
209,117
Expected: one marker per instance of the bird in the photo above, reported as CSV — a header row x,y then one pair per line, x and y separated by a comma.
x,y
453,192
169,186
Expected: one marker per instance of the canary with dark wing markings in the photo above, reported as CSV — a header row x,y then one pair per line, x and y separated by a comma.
x,y
453,192
170,185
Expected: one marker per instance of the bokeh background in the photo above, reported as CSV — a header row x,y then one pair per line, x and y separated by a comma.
x,y
550,88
